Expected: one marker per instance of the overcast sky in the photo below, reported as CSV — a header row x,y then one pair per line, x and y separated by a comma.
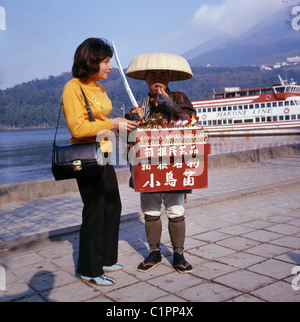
x,y
41,36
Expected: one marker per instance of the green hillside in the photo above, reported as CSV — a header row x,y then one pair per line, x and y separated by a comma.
x,y
36,103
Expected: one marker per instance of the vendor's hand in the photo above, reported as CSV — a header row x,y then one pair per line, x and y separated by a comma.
x,y
124,125
139,111
161,91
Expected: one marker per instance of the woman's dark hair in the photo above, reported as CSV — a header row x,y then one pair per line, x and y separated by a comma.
x,y
89,55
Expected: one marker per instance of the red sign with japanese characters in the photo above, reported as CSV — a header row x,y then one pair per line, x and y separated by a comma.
x,y
171,166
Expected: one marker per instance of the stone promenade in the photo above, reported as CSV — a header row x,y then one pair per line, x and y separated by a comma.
x,y
243,240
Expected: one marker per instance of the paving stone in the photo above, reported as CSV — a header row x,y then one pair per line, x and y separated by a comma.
x,y
273,268
139,292
175,282
212,251
241,259
291,242
278,292
211,269
208,292
267,250
244,281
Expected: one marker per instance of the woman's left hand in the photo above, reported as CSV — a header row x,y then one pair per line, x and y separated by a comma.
x,y
124,125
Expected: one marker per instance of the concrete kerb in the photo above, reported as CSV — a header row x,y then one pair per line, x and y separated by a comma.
x,y
50,188
32,240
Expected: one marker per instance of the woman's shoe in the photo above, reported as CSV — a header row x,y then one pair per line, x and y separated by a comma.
x,y
181,265
102,280
153,260
113,268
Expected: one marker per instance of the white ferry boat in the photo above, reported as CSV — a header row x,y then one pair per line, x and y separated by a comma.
x,y
261,111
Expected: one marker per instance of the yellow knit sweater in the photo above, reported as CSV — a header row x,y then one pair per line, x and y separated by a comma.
x,y
78,121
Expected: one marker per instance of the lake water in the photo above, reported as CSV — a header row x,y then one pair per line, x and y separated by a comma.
x,y
25,155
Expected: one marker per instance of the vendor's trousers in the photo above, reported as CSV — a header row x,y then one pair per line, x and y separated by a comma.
x,y
99,233
151,204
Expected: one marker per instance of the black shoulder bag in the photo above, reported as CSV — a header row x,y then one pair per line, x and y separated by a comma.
x,y
76,160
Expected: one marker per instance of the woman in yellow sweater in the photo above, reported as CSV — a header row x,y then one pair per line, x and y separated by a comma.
x,y
98,247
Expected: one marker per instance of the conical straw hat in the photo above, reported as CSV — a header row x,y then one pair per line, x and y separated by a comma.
x,y
177,65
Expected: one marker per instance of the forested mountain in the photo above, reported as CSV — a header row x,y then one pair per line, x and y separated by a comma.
x,y
36,103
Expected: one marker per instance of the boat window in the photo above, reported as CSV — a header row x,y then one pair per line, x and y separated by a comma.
x,y
287,117
199,110
246,107
220,122
240,107
224,109
298,116
275,118
238,121
266,91
229,108
224,122
204,110
230,121
274,104
214,109
257,120
281,118
249,121
268,104
269,119
235,108
279,89
290,89
293,117
263,119
219,109
200,123
230,95
214,122
204,123
208,110
219,96
280,103
292,103
263,105
256,105
209,122
286,103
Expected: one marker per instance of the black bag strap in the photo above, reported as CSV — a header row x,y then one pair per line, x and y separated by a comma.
x,y
87,105
89,110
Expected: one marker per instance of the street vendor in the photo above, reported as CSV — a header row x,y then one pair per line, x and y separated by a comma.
x,y
158,69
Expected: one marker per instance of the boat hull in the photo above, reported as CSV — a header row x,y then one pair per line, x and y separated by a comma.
x,y
273,128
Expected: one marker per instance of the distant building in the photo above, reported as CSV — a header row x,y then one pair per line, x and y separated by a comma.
x,y
293,59
263,67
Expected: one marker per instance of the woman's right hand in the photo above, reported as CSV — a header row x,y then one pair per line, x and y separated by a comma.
x,y
123,124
